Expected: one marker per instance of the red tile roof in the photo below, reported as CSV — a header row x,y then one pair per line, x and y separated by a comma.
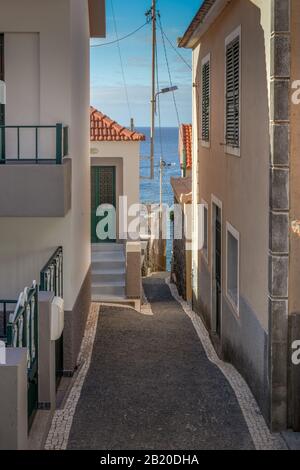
x,y
186,144
105,129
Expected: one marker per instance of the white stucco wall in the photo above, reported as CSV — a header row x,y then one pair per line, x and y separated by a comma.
x,y
129,152
52,86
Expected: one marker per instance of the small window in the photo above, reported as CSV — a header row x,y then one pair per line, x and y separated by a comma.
x,y
205,230
232,137
232,278
206,100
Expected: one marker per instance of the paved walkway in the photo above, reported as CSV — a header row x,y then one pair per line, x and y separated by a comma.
x,y
149,382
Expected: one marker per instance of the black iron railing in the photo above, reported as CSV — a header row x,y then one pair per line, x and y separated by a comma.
x,y
20,330
51,277
51,280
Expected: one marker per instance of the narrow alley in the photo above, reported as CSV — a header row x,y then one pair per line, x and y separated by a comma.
x,y
153,381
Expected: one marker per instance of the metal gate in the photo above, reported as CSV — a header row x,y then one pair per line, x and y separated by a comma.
x,y
103,191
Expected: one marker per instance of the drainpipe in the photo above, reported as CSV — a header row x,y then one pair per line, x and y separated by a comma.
x,y
184,162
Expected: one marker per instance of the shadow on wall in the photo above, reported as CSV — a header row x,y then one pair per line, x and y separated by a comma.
x,y
244,342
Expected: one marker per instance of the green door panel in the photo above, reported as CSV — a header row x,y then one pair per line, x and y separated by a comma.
x,y
103,191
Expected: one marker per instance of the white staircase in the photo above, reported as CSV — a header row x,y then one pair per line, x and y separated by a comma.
x,y
108,272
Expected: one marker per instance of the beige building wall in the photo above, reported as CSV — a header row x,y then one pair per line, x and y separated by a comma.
x,y
240,183
294,298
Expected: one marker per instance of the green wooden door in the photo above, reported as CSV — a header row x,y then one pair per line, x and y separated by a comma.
x,y
103,188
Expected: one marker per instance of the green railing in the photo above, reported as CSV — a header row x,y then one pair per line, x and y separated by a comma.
x,y
61,146
22,332
6,308
51,277
51,280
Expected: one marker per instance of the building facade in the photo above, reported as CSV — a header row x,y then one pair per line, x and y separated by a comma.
x,y
45,170
115,181
245,146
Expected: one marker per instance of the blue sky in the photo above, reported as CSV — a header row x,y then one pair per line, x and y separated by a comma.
x,y
107,90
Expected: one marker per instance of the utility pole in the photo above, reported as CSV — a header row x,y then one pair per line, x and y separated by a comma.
x,y
153,88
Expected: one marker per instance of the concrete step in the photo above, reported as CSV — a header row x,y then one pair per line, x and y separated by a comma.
x,y
113,299
108,265
102,247
108,276
108,289
108,256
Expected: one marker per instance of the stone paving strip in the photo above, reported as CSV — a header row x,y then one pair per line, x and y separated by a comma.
x,y
262,438
62,421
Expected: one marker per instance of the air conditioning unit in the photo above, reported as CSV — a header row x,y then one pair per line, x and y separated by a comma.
x,y
57,318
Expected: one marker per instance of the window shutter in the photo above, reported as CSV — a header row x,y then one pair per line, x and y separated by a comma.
x,y
2,57
206,101
233,93
2,78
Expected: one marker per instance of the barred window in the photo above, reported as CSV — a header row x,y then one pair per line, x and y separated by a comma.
x,y
233,93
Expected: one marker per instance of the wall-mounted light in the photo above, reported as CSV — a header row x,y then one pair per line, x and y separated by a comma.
x,y
296,227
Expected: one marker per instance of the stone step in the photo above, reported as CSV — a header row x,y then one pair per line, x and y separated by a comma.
x,y
112,276
108,289
107,265
118,299
102,247
108,256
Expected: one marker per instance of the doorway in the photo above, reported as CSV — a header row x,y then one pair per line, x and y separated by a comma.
x,y
216,266
103,191
2,105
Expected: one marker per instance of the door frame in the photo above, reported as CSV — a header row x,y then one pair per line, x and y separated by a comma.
x,y
93,167
215,202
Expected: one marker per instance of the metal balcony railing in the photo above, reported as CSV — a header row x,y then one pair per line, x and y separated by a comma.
x,y
20,330
61,144
51,278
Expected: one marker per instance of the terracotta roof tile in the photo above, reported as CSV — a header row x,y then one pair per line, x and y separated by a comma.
x,y
105,129
186,144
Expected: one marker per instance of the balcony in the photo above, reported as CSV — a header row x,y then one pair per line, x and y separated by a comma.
x,y
35,171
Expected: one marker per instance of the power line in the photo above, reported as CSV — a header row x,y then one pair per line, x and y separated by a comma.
x,y
175,49
169,71
121,39
121,60
158,104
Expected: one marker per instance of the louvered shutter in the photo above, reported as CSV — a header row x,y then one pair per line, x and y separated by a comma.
x,y
2,108
206,101
233,93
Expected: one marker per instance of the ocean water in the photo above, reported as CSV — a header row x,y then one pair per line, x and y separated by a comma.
x,y
149,189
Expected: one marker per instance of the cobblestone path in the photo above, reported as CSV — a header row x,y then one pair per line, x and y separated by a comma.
x,y
153,381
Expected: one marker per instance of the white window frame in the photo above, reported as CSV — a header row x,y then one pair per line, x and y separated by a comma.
x,y
205,60
205,255
234,233
235,151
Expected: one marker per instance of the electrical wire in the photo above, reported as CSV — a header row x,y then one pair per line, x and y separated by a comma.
x,y
121,60
175,49
169,73
121,39
158,104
